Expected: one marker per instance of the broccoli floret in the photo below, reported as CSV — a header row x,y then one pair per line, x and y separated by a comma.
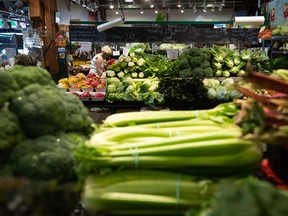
x,y
208,72
205,64
78,116
183,63
194,51
40,109
27,75
10,131
185,72
207,52
195,62
47,157
197,72
123,65
8,87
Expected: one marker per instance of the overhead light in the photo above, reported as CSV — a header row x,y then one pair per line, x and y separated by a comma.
x,y
164,4
18,26
194,8
129,1
5,24
116,12
190,4
213,7
151,4
110,24
182,9
111,6
156,11
220,7
249,20
141,11
83,3
179,5
205,7
223,3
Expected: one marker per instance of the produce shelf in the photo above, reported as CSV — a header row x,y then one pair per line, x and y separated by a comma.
x,y
172,104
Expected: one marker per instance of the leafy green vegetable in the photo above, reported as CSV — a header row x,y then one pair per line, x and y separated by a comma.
x,y
40,110
254,197
47,157
183,89
8,87
10,131
27,75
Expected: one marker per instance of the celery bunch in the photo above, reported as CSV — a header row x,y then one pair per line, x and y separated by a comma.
x,y
144,192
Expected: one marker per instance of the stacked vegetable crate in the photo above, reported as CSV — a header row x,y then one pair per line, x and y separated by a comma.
x,y
145,163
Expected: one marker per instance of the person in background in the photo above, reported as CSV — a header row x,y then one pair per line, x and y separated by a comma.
x,y
98,62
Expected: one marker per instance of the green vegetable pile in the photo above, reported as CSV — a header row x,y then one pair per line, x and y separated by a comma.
x,y
40,126
181,89
252,196
228,62
195,62
127,66
280,30
279,63
221,90
128,89
148,158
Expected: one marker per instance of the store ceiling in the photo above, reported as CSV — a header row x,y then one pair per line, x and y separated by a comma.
x,y
14,9
174,4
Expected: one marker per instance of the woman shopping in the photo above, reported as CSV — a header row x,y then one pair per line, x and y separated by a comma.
x,y
98,62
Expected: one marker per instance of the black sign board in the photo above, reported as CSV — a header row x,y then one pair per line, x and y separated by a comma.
x,y
165,33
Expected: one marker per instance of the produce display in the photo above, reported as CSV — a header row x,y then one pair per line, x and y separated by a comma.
x,y
224,90
183,89
40,126
280,30
128,164
195,62
128,89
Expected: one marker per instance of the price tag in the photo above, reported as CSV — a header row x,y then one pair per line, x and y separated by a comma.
x,y
125,51
116,53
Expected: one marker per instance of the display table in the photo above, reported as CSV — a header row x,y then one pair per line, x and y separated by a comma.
x,y
171,104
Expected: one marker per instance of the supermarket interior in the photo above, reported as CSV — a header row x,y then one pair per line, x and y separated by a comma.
x,y
143,107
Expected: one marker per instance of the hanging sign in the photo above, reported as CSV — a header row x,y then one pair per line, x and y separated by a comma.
x,y
60,40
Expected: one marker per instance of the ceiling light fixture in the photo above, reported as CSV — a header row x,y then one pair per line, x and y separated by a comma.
x,y
205,7
113,23
194,8
141,11
151,4
18,26
220,7
156,11
83,3
213,7
5,24
182,9
164,4
111,6
190,4
223,3
116,12
179,4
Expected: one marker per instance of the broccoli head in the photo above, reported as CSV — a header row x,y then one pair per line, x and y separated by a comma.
x,y
183,63
10,131
208,72
205,64
185,72
205,54
40,109
26,75
195,62
194,51
78,117
197,72
48,157
8,87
